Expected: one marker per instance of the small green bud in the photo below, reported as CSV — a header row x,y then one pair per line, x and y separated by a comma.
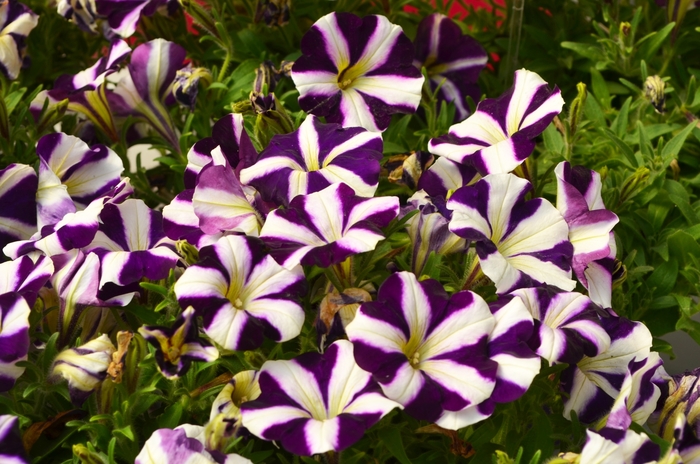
x,y
188,252
633,183
53,114
625,28
88,456
201,16
577,105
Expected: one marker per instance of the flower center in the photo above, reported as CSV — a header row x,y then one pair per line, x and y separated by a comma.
x,y
172,354
348,75
238,303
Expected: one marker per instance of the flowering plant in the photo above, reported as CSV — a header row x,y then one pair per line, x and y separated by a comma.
x,y
274,231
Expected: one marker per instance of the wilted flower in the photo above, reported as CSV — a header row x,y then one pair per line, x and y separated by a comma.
x,y
326,227
520,243
184,444
177,346
357,71
272,12
407,168
444,177
314,157
18,185
316,403
427,350
16,22
84,367
452,60
11,448
499,135
144,91
242,294
186,84
567,324
680,412
225,417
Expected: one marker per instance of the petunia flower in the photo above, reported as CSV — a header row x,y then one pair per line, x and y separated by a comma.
x,y
242,294
429,230
590,228
678,416
593,383
84,367
20,281
225,417
452,60
520,243
179,345
427,350
11,448
567,324
313,157
18,185
16,22
517,364
619,446
131,244
71,175
326,227
445,176
357,71
184,444
316,403
498,137
145,90
86,91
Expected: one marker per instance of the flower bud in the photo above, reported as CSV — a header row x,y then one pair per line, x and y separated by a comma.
x,y
272,12
654,89
84,367
577,107
186,85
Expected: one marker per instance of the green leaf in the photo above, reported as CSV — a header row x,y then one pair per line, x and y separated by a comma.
x,y
630,159
673,147
126,432
664,277
600,88
391,437
681,245
170,417
553,141
649,44
592,52
619,126
154,288
594,112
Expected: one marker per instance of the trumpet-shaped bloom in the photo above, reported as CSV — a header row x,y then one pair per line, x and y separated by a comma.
x,y
84,367
499,135
357,71
179,345
314,157
11,448
428,351
316,403
183,445
594,382
143,91
131,244
242,294
18,185
225,417
567,324
517,364
619,446
453,61
20,281
16,22
71,175
520,243
445,176
590,228
326,227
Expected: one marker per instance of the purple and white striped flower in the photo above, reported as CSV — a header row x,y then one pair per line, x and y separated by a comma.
x,y
517,364
18,186
357,71
86,91
618,446
520,243
567,324
429,230
16,22
71,175
242,294
177,346
183,445
427,350
445,176
11,448
20,281
131,244
594,382
499,135
145,90
84,367
326,227
453,61
316,403
590,226
313,157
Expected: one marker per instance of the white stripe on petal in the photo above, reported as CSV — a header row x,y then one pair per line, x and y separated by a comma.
x,y
392,90
543,271
355,111
257,421
336,45
527,83
462,380
299,384
405,385
322,435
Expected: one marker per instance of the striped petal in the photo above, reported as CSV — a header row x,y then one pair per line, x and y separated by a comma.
x,y
18,186
11,448
16,22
